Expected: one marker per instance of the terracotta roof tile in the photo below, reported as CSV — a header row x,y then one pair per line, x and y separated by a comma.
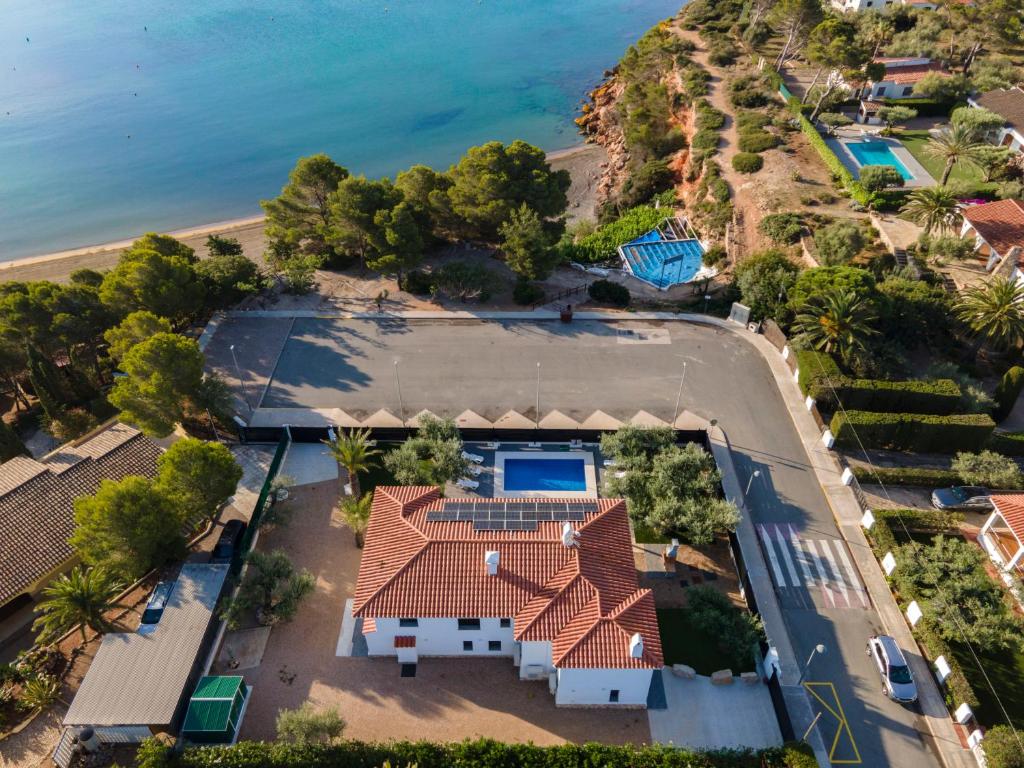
x,y
1011,507
37,500
910,73
1001,223
576,597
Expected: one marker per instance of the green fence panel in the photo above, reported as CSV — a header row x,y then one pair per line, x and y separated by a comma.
x,y
261,503
786,93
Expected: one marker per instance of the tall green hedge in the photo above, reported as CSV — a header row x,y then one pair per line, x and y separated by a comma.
x,y
483,753
1008,391
1007,443
814,368
923,433
924,476
940,397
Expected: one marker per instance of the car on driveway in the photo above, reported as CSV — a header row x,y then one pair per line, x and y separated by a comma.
x,y
897,679
229,542
968,497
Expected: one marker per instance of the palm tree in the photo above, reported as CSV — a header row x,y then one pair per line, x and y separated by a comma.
x,y
355,453
877,32
934,208
954,145
356,511
994,311
837,322
84,597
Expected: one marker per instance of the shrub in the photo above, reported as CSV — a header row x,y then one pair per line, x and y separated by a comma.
x,y
602,244
418,282
306,725
747,162
715,255
1008,391
781,228
38,693
709,118
940,397
838,243
757,141
713,613
607,292
722,54
705,139
923,476
815,370
912,432
875,178
747,120
987,468
747,92
652,177
1007,443
526,292
1002,748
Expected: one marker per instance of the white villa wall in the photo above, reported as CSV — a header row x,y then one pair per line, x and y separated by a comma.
x,y
1012,138
535,653
440,637
861,5
888,89
592,687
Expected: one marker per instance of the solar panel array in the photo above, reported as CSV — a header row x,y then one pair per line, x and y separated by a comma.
x,y
511,515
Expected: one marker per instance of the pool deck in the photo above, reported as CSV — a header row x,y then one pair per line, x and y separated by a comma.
x,y
487,476
838,145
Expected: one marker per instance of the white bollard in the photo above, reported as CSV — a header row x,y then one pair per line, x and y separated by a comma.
x,y
889,563
827,439
867,520
942,669
809,402
785,352
796,375
963,713
847,477
914,613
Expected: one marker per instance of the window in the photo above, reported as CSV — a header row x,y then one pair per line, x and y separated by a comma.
x,y
408,622
469,623
613,696
869,4
506,623
494,645
908,90
880,91
467,645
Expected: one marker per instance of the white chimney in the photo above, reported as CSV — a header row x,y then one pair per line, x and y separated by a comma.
x,y
636,646
568,534
491,559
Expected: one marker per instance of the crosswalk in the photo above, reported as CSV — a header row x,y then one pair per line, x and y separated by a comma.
x,y
821,566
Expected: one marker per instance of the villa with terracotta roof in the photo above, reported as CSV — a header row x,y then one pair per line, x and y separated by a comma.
x,y
998,232
1008,103
549,583
1002,535
902,73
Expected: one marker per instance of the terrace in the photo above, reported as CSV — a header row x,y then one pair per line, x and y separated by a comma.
x,y
668,255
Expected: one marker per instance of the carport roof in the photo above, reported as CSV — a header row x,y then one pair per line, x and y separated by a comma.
x,y
1010,507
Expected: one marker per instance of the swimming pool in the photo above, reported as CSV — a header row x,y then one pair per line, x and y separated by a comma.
x,y
876,153
545,475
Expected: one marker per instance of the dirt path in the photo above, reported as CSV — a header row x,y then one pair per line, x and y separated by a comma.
x,y
745,239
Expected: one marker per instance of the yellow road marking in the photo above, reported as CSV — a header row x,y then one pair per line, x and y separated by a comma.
x,y
843,725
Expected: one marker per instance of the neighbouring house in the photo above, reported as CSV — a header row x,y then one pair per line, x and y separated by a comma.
x,y
139,685
550,583
861,5
37,511
902,73
998,232
1008,103
1002,535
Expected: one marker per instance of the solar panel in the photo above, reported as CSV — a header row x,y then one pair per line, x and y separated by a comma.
x,y
511,515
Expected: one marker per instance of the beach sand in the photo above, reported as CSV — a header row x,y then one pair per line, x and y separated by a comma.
x,y
582,162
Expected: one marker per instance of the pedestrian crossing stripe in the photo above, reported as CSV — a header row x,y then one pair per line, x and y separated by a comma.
x,y
796,562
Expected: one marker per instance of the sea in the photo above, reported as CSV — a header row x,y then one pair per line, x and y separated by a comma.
x,y
119,117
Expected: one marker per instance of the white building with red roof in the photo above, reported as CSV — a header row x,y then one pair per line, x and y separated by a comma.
x,y
902,74
1002,535
550,583
997,229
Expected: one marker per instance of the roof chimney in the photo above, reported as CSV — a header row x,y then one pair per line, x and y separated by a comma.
x,y
636,646
491,559
569,535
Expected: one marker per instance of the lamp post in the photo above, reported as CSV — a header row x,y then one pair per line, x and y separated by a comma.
x,y
819,648
398,389
756,473
679,396
536,419
707,298
241,381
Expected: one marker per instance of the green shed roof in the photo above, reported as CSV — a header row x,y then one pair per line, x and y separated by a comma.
x,y
212,706
218,687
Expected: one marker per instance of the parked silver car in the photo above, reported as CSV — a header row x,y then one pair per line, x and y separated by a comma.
x,y
968,497
897,679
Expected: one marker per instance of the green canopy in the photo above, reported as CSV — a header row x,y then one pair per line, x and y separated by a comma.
x,y
215,709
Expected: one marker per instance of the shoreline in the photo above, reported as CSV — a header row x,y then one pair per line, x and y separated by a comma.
x,y
58,265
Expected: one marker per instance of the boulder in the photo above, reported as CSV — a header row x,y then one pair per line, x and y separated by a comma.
x,y
722,677
683,671
750,678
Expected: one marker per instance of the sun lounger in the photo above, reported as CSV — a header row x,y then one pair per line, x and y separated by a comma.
x,y
474,457
575,443
466,484
492,446
608,463
474,469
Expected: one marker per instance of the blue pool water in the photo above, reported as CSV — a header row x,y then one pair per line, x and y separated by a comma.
x,y
662,263
545,475
221,97
877,153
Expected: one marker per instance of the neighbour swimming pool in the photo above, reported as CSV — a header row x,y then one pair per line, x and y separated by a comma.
x,y
545,475
877,153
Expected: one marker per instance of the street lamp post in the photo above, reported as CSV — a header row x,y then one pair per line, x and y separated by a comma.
x,y
679,396
819,648
536,419
398,389
750,482
241,381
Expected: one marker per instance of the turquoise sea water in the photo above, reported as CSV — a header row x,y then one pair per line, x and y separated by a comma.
x,y
220,97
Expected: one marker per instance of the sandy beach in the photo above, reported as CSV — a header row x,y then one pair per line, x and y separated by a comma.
x,y
582,162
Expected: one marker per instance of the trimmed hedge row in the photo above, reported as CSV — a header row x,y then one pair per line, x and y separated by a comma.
x,y
924,433
932,478
957,688
1008,391
814,368
940,397
1007,443
483,753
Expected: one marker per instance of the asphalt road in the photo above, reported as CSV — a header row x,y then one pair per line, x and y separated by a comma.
x,y
491,367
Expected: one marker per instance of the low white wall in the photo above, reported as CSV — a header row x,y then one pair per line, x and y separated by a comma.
x,y
440,637
535,653
592,687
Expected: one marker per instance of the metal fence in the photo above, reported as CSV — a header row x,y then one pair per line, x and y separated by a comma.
x,y
262,502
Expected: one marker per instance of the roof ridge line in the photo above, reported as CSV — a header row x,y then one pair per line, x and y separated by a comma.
x,y
583,636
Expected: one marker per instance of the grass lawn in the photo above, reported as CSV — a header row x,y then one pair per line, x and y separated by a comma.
x,y
915,142
1006,671
681,643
